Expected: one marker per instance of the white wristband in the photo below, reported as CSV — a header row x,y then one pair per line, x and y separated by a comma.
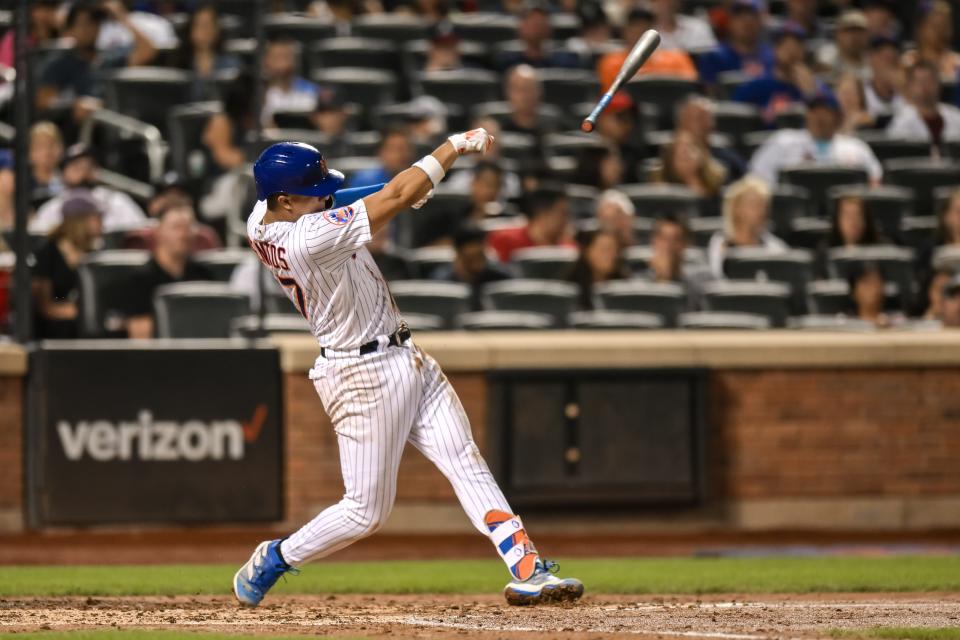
x,y
432,167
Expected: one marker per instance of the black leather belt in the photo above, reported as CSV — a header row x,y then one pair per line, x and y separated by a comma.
x,y
397,338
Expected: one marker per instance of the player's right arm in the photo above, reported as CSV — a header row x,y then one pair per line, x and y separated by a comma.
x,y
412,185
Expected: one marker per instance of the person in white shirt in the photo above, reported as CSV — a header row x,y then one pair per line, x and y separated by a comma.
x,y
157,29
925,118
746,204
882,90
818,143
79,170
678,31
286,91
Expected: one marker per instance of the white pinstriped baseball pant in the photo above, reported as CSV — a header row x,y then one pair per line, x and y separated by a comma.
x,y
378,403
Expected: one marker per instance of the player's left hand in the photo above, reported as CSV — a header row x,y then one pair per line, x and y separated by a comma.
x,y
473,141
423,201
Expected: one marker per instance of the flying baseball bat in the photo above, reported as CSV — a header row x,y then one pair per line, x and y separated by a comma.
x,y
641,51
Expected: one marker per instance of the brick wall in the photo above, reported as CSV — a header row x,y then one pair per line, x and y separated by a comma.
x,y
827,433
11,454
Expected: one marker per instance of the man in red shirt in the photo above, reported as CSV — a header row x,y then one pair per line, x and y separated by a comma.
x,y
548,214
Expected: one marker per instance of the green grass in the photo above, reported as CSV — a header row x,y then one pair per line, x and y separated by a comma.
x,y
901,633
135,634
619,575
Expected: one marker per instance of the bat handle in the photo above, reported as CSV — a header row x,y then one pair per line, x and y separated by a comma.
x,y
591,120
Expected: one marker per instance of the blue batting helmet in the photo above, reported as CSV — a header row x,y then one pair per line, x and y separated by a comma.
x,y
294,168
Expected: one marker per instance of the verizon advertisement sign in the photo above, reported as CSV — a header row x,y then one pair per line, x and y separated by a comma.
x,y
155,435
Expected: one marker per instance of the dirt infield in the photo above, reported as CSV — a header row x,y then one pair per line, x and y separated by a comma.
x,y
744,618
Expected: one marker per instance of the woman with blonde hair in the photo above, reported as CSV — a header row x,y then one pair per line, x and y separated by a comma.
x,y
746,205
56,284
933,36
45,153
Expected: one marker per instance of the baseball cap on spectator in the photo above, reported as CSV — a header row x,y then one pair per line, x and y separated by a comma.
x,y
79,203
852,19
328,99
740,6
823,99
879,42
95,9
442,34
75,152
591,14
620,102
535,5
790,30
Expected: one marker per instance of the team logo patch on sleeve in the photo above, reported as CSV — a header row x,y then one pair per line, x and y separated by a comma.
x,y
340,216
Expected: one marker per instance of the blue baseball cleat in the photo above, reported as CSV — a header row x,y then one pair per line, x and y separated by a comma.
x,y
543,587
261,572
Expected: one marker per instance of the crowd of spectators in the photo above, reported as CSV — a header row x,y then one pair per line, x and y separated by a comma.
x,y
820,82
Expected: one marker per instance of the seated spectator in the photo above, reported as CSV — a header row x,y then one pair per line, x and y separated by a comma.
x,y
171,195
600,260
882,90
535,32
44,29
170,189
932,307
79,170
790,81
664,61
602,168
427,119
45,154
203,54
73,76
744,50
395,154
285,90
933,38
471,265
461,179
224,134
669,243
170,262
882,19
848,51
429,10
596,30
804,14
850,225
330,116
746,206
853,105
443,53
615,214
391,265
524,95
686,163
950,307
342,12
818,143
116,32
678,31
619,126
548,214
56,284
867,293
924,117
948,224
485,189
695,117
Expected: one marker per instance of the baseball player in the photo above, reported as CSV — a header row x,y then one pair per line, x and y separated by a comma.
x,y
378,387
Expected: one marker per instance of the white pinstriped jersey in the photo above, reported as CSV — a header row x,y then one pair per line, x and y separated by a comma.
x,y
322,262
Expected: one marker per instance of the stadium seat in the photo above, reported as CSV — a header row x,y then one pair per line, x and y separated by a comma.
x,y
462,87
750,142
818,179
829,297
916,232
768,299
423,321
489,28
886,148
603,319
104,277
570,144
368,88
923,176
549,116
439,217
666,300
564,87
896,264
702,229
505,321
254,327
791,117
794,268
565,26
556,299
446,300
393,27
474,54
638,257
185,126
517,146
545,263
947,258
427,260
268,137
656,200
886,205
788,203
736,119
222,262
298,28
728,81
722,320
663,91
834,322
147,93
808,232
197,309
354,52
583,200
